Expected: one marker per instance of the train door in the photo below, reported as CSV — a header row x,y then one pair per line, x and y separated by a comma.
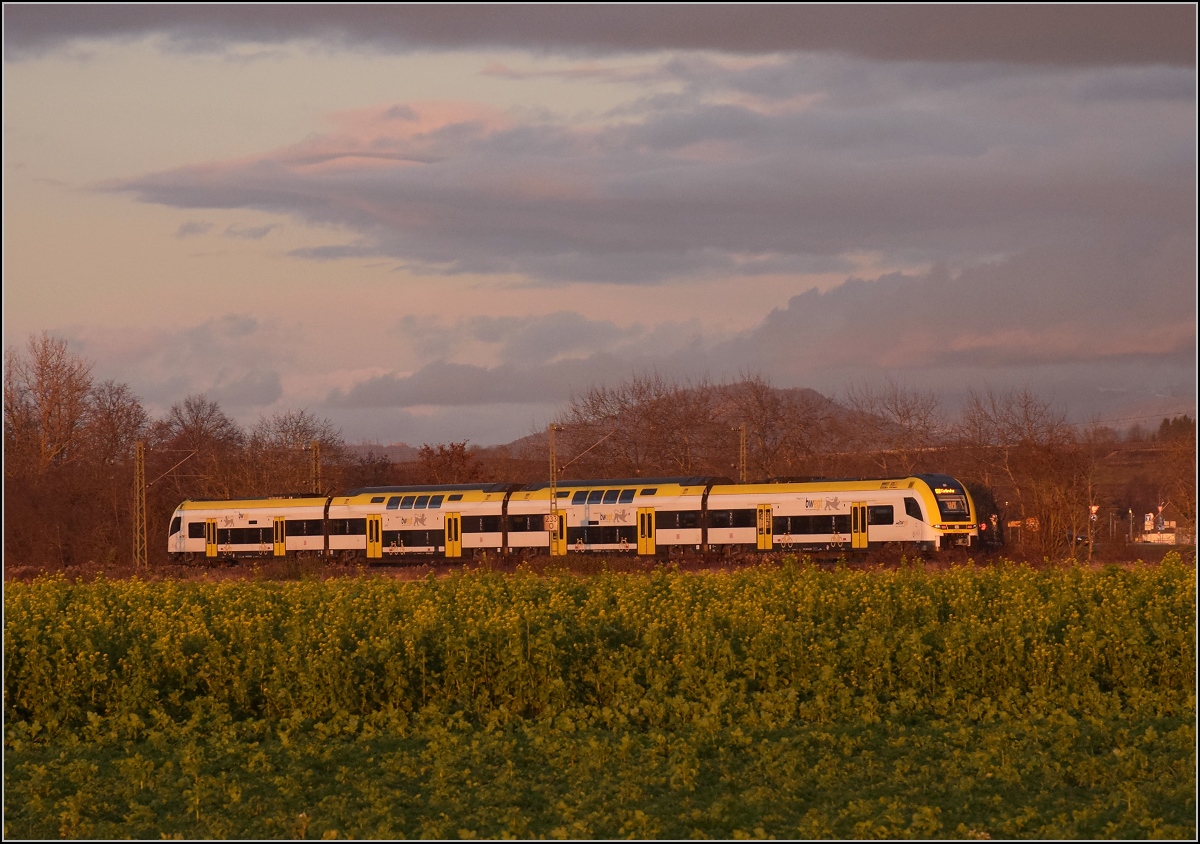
x,y
557,525
210,537
453,535
766,532
374,537
858,526
646,544
280,541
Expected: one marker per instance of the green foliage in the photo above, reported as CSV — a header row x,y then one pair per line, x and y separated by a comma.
x,y
795,702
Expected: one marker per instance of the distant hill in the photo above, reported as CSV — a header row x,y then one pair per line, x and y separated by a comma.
x,y
396,452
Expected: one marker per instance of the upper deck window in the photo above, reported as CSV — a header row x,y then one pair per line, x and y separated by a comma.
x,y
626,496
435,501
422,502
595,496
610,496
580,497
393,502
407,502
650,491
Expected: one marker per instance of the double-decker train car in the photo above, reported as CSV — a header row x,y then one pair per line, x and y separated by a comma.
x,y
646,516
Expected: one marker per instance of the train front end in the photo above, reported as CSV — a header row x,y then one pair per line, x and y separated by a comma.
x,y
952,518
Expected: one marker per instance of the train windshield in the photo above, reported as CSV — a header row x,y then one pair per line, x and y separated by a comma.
x,y
954,508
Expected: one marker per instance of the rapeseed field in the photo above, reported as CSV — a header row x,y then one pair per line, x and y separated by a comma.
x,y
784,701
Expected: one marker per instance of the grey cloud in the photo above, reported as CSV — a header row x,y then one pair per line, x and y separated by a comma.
x,y
1050,34
1016,322
442,383
1142,85
701,189
254,389
1083,305
529,382
531,339
192,228
400,112
250,232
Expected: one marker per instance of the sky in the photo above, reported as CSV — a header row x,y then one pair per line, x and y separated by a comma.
x,y
437,223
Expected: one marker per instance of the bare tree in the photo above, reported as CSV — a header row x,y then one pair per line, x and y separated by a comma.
x,y
118,420
1179,483
1018,444
645,426
899,424
47,395
451,463
279,452
784,428
207,447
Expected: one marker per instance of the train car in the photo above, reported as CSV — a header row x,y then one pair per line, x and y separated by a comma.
x,y
394,521
932,512
631,515
645,516
248,527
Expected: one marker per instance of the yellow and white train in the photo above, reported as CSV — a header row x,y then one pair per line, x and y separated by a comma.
x,y
645,516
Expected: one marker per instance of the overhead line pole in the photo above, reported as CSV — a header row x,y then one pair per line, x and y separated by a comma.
x,y
140,560
315,445
554,513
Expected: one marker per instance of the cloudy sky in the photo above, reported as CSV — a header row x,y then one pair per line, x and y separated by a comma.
x,y
432,223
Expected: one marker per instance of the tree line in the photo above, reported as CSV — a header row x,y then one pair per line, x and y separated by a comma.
x,y
69,443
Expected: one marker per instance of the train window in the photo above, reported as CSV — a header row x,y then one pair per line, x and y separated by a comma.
x,y
881,515
244,536
347,527
650,491
407,502
412,538
435,501
732,518
602,535
626,496
393,502
668,520
456,497
422,501
580,497
802,525
562,493
913,509
525,524
378,499
481,524
196,530
610,496
175,525
303,527
595,496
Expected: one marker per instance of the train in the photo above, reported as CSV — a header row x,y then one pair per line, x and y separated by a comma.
x,y
643,516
